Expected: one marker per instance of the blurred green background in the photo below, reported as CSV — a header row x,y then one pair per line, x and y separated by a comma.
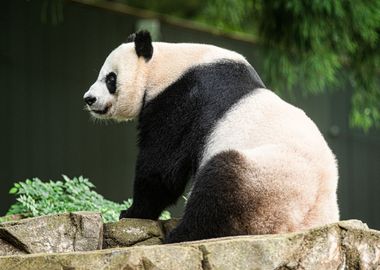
x,y
51,52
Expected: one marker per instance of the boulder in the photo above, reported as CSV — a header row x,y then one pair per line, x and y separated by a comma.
x,y
342,245
129,232
151,257
136,232
79,231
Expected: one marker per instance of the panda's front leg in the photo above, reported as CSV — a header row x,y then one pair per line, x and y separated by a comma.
x,y
150,198
156,186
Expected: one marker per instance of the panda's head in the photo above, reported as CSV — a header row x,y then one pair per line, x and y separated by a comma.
x,y
118,92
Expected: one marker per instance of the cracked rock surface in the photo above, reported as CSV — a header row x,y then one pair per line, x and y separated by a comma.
x,y
150,257
128,232
136,232
343,245
78,231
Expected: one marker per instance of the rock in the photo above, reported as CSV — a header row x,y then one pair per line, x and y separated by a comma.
x,y
150,242
343,245
89,231
80,231
129,232
319,248
8,249
361,248
151,257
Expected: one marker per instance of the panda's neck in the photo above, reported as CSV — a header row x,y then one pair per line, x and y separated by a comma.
x,y
171,60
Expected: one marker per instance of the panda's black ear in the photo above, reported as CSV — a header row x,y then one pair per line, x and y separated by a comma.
x,y
143,44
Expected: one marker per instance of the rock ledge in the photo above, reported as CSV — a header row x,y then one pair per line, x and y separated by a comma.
x,y
76,239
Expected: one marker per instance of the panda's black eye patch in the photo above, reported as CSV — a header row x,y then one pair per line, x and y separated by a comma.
x,y
111,82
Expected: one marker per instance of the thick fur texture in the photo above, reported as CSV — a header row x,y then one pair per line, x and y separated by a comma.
x,y
173,129
258,164
143,44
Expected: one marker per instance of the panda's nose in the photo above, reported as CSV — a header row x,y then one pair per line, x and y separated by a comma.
x,y
90,100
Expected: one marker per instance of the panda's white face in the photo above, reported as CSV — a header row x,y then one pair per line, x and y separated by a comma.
x,y
134,74
119,89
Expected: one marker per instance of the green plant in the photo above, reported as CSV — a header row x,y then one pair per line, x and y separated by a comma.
x,y
36,198
6,218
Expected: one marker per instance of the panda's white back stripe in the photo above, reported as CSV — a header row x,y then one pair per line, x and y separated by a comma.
x,y
171,60
263,118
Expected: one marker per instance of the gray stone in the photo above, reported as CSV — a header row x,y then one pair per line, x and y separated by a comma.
x,y
319,248
129,232
78,231
360,248
149,258
8,249
343,245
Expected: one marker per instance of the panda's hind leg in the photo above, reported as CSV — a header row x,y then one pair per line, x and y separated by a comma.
x,y
251,192
218,202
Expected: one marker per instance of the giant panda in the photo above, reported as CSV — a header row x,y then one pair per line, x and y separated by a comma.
x,y
258,165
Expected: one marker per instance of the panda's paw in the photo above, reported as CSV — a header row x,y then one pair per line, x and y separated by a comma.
x,y
177,235
171,238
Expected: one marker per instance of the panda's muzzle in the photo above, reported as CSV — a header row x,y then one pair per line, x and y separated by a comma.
x,y
90,101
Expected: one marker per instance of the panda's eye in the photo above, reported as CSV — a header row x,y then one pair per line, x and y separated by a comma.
x,y
111,82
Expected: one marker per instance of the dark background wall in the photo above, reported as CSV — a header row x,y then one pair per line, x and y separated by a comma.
x,y
44,132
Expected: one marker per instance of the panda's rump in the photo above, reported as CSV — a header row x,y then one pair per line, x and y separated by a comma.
x,y
262,191
286,173
284,187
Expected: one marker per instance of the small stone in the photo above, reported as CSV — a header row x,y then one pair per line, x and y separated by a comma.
x,y
130,231
150,242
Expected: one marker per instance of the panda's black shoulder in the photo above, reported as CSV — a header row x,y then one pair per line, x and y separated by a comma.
x,y
174,125
221,83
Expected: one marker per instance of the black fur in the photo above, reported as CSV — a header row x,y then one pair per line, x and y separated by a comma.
x,y
111,82
173,129
218,202
143,44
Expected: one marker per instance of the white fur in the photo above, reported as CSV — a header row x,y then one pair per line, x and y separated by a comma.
x,y
135,75
126,102
171,60
291,170
289,159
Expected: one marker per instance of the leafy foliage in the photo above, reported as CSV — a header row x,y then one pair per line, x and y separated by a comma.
x,y
312,45
326,43
6,218
308,45
36,198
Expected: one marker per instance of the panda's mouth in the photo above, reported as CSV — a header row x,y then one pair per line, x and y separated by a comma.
x,y
102,112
